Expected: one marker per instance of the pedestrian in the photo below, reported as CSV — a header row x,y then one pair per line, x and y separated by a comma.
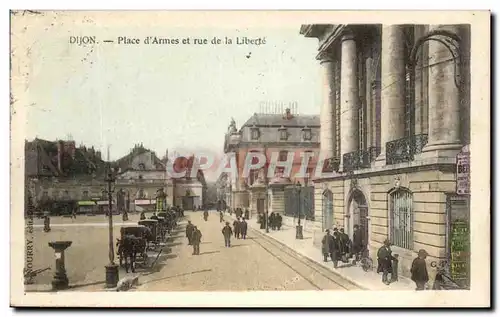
x,y
221,216
357,243
326,244
384,256
205,215
272,221
247,214
279,221
335,247
418,270
189,232
344,240
196,239
227,233
236,227
243,228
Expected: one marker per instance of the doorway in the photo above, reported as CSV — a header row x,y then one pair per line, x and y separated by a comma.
x,y
358,214
261,203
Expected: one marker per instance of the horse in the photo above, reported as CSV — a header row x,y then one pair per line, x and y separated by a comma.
x,y
128,248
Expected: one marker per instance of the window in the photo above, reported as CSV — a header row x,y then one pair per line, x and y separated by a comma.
x,y
306,134
409,34
280,171
255,133
283,134
104,195
283,156
401,225
55,194
361,101
141,177
141,194
85,194
142,166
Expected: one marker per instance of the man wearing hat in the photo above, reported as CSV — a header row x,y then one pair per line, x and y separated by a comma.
x,y
327,245
385,258
418,270
227,232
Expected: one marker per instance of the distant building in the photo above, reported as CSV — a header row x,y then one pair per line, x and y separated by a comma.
x,y
286,134
189,192
61,177
395,115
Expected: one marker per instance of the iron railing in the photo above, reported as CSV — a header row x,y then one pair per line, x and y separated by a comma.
x,y
403,150
331,165
356,160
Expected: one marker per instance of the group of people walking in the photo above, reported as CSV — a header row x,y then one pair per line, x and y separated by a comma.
x,y
194,237
275,221
340,247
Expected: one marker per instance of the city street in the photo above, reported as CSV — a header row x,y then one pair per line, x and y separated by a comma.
x,y
257,263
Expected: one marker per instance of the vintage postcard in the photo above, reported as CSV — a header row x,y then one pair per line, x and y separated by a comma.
x,y
277,158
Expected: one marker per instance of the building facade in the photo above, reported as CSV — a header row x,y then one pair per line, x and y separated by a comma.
x,y
286,135
395,114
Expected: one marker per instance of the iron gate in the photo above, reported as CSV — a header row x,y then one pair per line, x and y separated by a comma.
x,y
299,201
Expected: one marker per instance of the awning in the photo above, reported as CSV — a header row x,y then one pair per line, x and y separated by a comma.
x,y
144,202
104,202
139,208
86,203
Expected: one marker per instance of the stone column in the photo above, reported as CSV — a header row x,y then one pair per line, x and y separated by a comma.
x,y
327,130
444,99
348,97
393,78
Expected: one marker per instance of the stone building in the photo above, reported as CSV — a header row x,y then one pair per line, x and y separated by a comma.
x,y
141,176
286,135
190,192
395,114
61,177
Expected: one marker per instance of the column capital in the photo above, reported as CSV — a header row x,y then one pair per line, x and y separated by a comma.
x,y
347,35
325,56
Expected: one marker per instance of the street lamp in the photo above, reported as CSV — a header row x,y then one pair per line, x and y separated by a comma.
x,y
111,268
298,229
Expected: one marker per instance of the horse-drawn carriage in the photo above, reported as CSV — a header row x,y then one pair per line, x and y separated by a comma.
x,y
133,241
153,225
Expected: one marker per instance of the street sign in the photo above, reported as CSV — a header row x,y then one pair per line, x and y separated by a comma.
x,y
463,172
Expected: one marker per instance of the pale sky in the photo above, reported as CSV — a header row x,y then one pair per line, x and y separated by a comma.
x,y
177,97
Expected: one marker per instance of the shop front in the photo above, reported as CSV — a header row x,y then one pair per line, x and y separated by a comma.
x,y
145,204
86,207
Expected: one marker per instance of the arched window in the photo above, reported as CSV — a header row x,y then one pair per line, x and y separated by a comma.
x,y
327,209
142,166
141,194
401,218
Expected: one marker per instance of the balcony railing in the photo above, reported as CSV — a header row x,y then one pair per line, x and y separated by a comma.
x,y
358,159
331,165
404,150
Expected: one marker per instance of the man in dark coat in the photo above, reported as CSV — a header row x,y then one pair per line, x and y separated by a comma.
x,y
189,232
385,258
326,245
335,247
357,243
247,214
221,216
262,221
418,270
344,238
243,228
143,215
227,233
272,221
196,239
279,221
236,228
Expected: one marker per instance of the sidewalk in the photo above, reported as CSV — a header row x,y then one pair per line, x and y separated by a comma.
x,y
366,280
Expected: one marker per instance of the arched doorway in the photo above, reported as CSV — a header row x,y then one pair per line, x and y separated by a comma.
x,y
358,214
327,209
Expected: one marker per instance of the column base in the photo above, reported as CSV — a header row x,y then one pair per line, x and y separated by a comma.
x,y
380,160
111,275
60,281
441,150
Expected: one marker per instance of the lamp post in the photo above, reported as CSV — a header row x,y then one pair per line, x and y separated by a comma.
x,y
111,268
298,229
267,205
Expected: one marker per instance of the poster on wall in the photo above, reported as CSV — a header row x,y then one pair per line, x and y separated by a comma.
x,y
463,172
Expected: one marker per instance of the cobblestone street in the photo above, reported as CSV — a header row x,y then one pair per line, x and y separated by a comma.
x,y
252,264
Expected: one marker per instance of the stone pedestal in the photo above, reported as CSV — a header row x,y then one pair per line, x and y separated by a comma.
x,y
112,275
60,280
